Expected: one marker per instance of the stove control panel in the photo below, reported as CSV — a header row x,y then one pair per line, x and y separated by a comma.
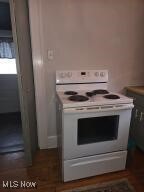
x,y
84,76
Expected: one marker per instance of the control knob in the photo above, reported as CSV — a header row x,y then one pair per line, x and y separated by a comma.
x,y
102,74
97,74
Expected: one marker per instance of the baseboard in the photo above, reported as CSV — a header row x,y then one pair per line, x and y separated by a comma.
x,y
52,142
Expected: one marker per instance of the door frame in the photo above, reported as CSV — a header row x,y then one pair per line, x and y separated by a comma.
x,y
23,100
36,29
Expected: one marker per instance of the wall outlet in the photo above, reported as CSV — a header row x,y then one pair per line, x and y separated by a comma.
x,y
50,54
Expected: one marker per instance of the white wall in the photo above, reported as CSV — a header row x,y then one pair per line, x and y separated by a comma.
x,y
84,34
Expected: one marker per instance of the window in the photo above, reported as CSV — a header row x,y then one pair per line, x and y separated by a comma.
x,y
8,66
7,56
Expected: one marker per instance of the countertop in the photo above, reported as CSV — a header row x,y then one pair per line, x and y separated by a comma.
x,y
136,89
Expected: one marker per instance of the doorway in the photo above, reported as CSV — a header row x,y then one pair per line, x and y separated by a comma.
x,y
11,139
19,14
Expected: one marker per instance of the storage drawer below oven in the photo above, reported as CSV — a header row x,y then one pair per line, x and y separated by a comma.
x,y
94,165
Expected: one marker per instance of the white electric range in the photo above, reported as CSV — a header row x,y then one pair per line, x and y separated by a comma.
x,y
92,124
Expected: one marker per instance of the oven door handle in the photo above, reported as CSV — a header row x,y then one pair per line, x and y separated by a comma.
x,y
95,161
92,109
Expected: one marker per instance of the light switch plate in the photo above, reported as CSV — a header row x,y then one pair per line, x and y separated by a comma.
x,y
50,54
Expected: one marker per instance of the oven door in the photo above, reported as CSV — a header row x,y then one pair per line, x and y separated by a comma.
x,y
89,131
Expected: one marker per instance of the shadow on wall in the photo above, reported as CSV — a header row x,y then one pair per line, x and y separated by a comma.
x,y
9,97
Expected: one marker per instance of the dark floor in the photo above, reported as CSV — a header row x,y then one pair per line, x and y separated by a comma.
x,y
45,172
10,133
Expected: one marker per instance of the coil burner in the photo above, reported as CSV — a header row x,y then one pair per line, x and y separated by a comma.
x,y
70,93
78,98
111,96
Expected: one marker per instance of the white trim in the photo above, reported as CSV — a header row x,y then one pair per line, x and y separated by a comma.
x,y
39,72
52,142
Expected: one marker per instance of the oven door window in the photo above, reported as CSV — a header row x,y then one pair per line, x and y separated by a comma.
x,y
97,129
